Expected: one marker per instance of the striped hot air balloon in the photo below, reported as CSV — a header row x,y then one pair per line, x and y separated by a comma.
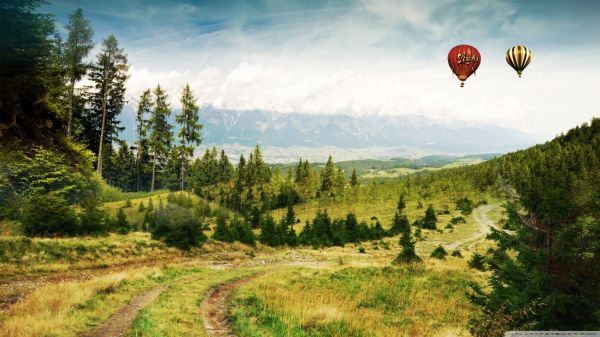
x,y
519,57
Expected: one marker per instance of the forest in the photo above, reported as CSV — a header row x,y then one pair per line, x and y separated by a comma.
x,y
65,174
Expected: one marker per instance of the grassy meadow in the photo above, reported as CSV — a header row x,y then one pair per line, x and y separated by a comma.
x,y
353,290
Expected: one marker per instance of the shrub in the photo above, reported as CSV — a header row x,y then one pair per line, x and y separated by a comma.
x,y
49,215
362,250
177,226
121,224
429,220
439,253
457,220
127,203
456,253
92,218
477,261
141,208
464,205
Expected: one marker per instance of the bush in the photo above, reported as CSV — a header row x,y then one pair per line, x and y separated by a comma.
x,y
429,220
362,250
457,220
141,208
464,205
121,224
49,215
177,226
477,261
127,203
439,253
456,253
92,218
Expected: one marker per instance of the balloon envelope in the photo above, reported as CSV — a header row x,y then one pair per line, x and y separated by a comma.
x,y
464,61
519,58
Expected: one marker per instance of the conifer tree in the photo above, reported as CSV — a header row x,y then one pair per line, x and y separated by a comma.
x,y
109,75
189,132
430,219
327,175
144,109
161,134
408,253
353,179
78,45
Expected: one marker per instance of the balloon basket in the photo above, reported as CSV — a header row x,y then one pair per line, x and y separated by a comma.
x,y
462,84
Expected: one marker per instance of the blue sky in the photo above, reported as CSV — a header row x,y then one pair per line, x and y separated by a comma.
x,y
362,57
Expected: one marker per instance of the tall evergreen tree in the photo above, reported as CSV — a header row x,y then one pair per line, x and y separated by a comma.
x,y
78,45
109,75
145,106
353,178
161,134
408,253
189,132
327,175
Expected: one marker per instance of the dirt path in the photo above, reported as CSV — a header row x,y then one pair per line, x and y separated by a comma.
x,y
215,311
120,322
480,214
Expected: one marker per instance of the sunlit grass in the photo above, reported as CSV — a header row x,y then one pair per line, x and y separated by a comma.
x,y
404,301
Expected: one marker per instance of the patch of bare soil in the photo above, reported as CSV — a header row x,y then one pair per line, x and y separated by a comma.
x,y
120,322
215,311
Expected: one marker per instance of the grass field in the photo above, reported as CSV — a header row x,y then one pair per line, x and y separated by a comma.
x,y
336,291
389,301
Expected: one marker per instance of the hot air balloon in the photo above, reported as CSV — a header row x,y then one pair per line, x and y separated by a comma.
x,y
464,60
519,57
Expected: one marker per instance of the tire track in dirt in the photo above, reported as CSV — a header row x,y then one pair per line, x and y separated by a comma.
x,y
215,311
120,322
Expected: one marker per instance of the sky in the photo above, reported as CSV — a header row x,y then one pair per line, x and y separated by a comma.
x,y
361,57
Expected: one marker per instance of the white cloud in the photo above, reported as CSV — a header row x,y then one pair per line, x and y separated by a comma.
x,y
390,60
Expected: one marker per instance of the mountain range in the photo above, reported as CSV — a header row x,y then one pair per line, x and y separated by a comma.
x,y
298,134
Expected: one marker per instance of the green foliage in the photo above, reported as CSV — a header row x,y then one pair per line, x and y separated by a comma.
x,y
101,126
477,261
160,132
222,232
121,225
464,205
554,243
353,179
177,226
408,253
430,219
141,207
439,253
92,218
456,253
48,215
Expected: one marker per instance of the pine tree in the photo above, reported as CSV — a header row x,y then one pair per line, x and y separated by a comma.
x,y
222,230
189,132
408,253
430,219
401,204
109,75
78,45
121,223
327,176
225,168
144,109
353,179
161,134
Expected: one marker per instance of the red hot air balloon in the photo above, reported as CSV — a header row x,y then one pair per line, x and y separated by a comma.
x,y
464,60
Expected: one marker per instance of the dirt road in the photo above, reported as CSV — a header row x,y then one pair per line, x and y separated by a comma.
x,y
480,214
215,311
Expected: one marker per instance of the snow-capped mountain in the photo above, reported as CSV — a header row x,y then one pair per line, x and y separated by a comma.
x,y
248,128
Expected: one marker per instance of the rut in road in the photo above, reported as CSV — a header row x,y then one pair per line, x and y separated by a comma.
x,y
215,311
120,322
